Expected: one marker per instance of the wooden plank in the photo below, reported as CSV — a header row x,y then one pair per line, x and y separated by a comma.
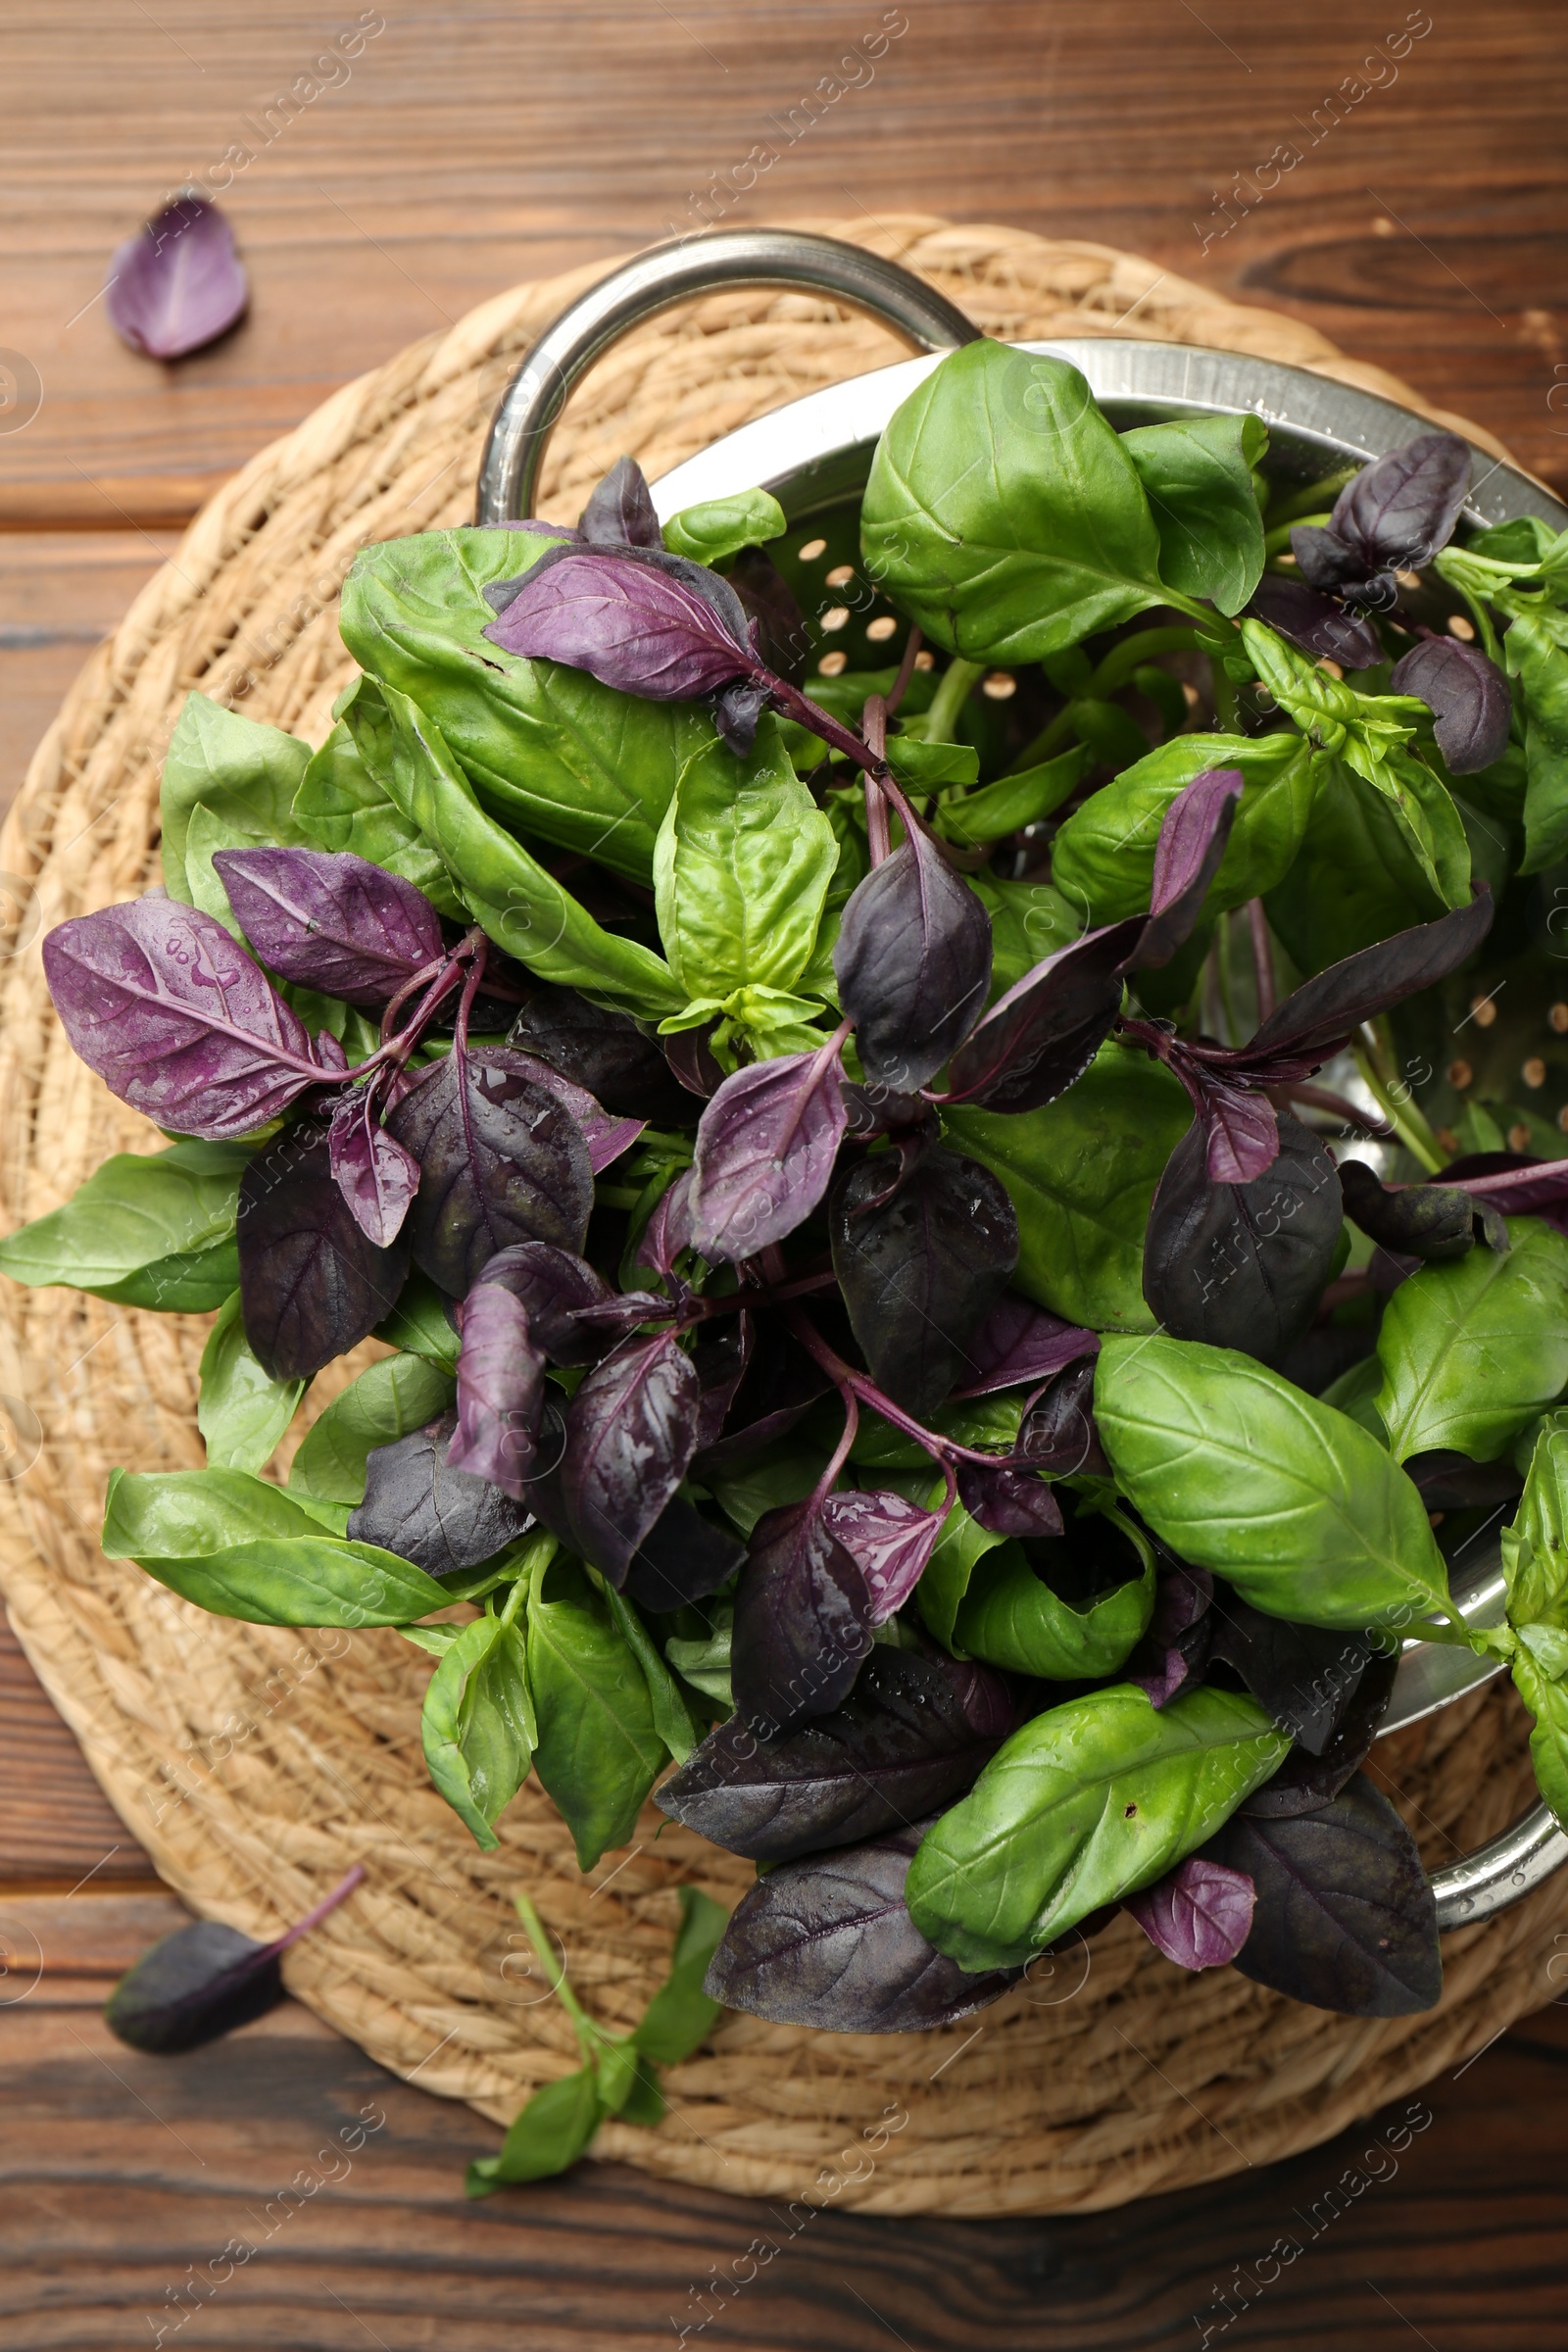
x,y
56,1824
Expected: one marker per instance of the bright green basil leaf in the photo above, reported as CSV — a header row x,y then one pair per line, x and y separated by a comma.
x,y
1357,878
1010,1617
1029,921
547,2137
599,1751
1546,1697
152,1229
680,2016
959,1549
205,832
721,528
477,1725
1084,1805
1003,513
418,1325
925,766
1473,1348
782,1475
1197,473
705,1663
1535,1547
1539,663
184,1514
400,1393
1240,1471
1080,1174
343,803
1012,801
434,1640
671,1719
240,1412
1102,859
244,774
1354,1394
1522,541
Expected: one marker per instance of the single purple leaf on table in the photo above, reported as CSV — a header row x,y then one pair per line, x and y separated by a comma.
x,y
653,625
1427,1221
1467,695
501,1381
802,1621
912,961
620,511
1009,1499
921,1271
1174,1650
765,1147
312,1284
1192,841
668,1234
374,1174
607,1138
891,1540
176,1019
332,921
606,1054
683,1558
1046,1031
553,1286
631,1430
1317,1017
1314,624
415,1504
205,1980
722,1353
1397,512
1198,1914
1058,1434
178,283
1019,1345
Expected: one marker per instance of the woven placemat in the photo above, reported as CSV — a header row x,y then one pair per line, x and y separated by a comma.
x,y
255,1765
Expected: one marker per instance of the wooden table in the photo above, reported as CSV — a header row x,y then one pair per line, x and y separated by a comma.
x,y
462,148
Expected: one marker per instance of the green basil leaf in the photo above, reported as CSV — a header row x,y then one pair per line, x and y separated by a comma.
x,y
599,1751
1197,473
927,765
244,774
1535,1546
1080,1174
1010,1617
1003,513
477,1725
1354,1394
1356,879
1473,1348
418,1325
184,1514
719,527
240,1412
1012,801
553,2129
706,1664
400,1393
1240,1471
782,1475
343,803
1084,1805
1540,665
1546,1698
310,1578
680,2016
959,1549
671,1719
148,1230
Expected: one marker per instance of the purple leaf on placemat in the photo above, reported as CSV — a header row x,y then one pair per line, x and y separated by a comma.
x,y
371,1171
1198,1914
330,920
912,961
651,626
1467,695
176,1019
631,1430
178,283
1009,1500
765,1147
1314,624
1019,1343
889,1540
501,1379
802,1621
554,1286
607,1138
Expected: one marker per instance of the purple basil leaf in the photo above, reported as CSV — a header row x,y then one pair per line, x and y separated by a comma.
x,y
203,1980
1329,1008
620,511
1009,1500
1314,624
1241,1129
1467,695
1399,510
1305,1782
332,921
921,1272
1242,1265
802,1621
1059,1434
312,1285
178,283
683,1558
176,1019
1326,564
1305,1676
606,1138
692,1063
376,1176
773,618
502,1161
1427,1221
737,708
1345,1919
1192,842
827,1943
1529,1188
1198,1914
1453,1482
722,1353
913,965
765,1147
1019,1345
911,1737
442,1519
501,1381
781,1384
554,1287
890,1540
1046,1031
631,1430
655,626
668,1234
874,1110
1174,1651
606,1054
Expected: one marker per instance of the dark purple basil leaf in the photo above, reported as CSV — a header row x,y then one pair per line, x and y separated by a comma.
x,y
1304,1782
1427,1221
312,1284
631,1430
176,1019
913,965
889,1539
653,626
178,283
722,1353
606,1138
874,1110
1242,1133
1192,843
1009,1500
668,1234
1242,1265
802,1621
620,511
501,1159
1399,510
828,1942
1329,1008
546,1490
1020,1343
616,1318
911,1737
1305,1675
376,1176
1198,1914
419,1507
778,630
1174,1651
920,1273
332,921
1314,624
554,1287
1326,564
606,1054
1059,1434
692,1065
1453,1482
1345,1919
500,1384
737,708
765,1147
1467,695
203,1980
781,1384
683,1558
1046,1031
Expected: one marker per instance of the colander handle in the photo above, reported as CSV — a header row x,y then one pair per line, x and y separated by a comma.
x,y
655,281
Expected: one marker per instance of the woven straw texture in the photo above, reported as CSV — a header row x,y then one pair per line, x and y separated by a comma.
x,y
256,1765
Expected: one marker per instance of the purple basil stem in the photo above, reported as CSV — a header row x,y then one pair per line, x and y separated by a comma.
x,y
1399,510
332,921
668,1234
1331,1006
1467,695
889,1538
1019,1345
371,1171
1009,1500
631,1430
178,283
1531,1188
176,1019
1192,842
1314,624
802,1621
912,961
1046,1031
1198,1914
620,511
653,626
554,1286
501,1381
607,1138
1174,1650
765,1147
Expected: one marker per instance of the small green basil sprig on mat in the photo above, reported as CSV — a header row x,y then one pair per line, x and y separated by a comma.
x,y
883,1311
